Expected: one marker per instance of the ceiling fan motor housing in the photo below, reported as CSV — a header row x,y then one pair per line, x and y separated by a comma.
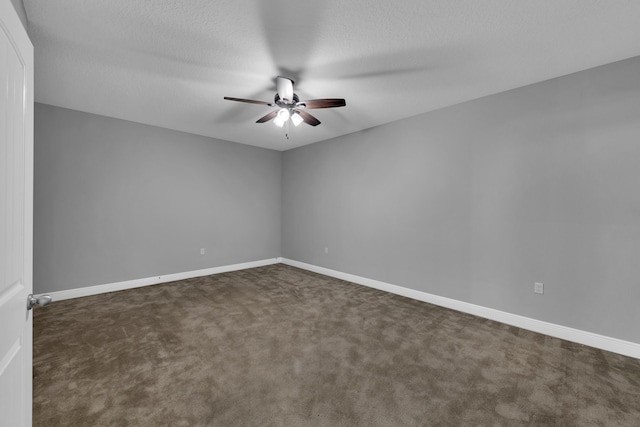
x,y
283,104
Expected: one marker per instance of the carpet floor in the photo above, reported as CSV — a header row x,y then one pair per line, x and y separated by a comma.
x,y
280,346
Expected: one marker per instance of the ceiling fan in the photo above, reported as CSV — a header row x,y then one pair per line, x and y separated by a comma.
x,y
290,107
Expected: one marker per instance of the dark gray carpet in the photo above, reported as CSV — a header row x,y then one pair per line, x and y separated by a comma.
x,y
280,346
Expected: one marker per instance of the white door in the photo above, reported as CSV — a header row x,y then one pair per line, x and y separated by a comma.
x,y
16,217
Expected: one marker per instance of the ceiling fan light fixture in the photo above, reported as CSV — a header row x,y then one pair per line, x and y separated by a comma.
x,y
282,117
284,114
278,122
296,118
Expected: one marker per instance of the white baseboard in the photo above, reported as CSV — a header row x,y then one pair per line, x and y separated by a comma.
x,y
136,283
602,342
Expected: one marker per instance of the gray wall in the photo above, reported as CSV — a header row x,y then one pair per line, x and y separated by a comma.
x,y
18,5
478,201
116,201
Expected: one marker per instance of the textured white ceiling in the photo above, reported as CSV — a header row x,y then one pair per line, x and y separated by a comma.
x,y
169,63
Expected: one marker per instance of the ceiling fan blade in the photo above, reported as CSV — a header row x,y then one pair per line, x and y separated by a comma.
x,y
284,87
308,118
267,117
323,103
250,101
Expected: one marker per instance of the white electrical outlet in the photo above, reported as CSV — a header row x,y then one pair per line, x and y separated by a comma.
x,y
326,250
201,251
538,288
